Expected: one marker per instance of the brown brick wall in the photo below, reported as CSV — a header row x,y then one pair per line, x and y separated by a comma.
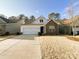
x,y
52,31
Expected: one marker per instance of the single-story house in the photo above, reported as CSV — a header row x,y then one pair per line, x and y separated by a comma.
x,y
41,25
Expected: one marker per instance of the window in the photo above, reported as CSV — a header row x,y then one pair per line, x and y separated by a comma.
x,y
51,27
41,21
52,30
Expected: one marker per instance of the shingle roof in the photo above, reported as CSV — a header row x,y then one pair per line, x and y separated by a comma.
x,y
71,21
2,21
66,21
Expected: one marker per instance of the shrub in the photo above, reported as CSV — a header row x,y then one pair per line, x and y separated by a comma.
x,y
18,33
7,33
39,33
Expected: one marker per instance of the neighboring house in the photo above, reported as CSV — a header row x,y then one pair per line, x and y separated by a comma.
x,y
73,25
2,26
64,28
14,28
9,27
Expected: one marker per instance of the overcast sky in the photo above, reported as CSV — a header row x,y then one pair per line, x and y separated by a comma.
x,y
34,7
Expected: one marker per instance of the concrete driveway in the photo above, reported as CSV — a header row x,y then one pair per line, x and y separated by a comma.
x,y
20,49
25,37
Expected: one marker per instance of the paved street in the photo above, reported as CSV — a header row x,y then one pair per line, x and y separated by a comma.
x,y
20,49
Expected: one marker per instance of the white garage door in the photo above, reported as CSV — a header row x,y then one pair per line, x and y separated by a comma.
x,y
30,29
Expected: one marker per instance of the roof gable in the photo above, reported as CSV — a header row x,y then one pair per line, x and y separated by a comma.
x,y
37,21
52,21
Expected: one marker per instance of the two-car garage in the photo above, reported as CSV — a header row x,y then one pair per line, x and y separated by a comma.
x,y
30,29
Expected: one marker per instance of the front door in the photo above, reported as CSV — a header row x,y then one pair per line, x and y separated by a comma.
x,y
42,29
